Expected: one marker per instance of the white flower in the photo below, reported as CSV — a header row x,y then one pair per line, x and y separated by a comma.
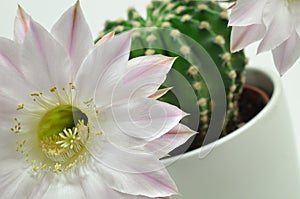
x,y
79,120
276,22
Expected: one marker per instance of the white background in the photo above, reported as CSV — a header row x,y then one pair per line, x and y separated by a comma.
x,y
97,11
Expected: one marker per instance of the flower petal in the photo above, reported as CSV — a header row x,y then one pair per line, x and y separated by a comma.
x,y
45,63
73,32
246,12
133,123
159,93
279,28
15,178
295,10
287,53
101,70
12,81
94,186
7,114
106,38
63,186
22,23
152,184
171,140
122,171
243,36
7,144
143,77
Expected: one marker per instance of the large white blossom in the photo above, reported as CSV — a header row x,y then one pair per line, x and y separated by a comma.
x,y
79,120
275,22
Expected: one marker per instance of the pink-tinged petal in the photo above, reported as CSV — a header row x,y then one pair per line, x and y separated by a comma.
x,y
133,172
12,81
279,28
102,69
94,186
159,93
287,53
246,12
22,23
136,122
106,38
171,140
45,62
123,159
152,184
243,36
10,56
143,77
73,32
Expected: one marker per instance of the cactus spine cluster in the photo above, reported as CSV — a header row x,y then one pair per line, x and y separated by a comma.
x,y
205,22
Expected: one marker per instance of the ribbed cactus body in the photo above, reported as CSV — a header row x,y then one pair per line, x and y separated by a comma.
x,y
206,23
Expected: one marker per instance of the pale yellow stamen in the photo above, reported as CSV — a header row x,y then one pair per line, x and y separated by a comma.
x,y
69,137
19,107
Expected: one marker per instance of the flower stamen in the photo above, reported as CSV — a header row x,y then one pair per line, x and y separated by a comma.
x,y
69,138
20,107
42,101
65,145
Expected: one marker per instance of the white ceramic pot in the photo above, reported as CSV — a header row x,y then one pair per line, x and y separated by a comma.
x,y
257,161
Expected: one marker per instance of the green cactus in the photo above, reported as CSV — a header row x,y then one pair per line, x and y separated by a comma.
x,y
205,22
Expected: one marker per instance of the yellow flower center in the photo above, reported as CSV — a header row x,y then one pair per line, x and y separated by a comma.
x,y
62,133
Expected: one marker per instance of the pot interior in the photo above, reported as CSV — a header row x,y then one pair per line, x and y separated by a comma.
x,y
254,78
260,80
